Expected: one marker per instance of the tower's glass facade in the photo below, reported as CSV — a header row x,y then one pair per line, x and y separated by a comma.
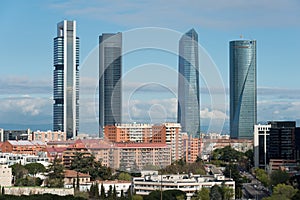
x,y
242,88
66,79
110,84
188,84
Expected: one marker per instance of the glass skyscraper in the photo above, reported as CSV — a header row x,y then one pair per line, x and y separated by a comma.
x,y
110,84
242,88
66,79
188,114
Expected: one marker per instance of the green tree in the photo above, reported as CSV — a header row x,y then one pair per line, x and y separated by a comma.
x,y
122,194
232,171
279,176
102,192
282,192
215,193
296,196
129,192
250,156
203,194
262,176
35,168
168,194
227,193
110,192
19,171
86,163
56,174
137,197
183,167
227,154
97,190
91,191
114,192
124,176
77,182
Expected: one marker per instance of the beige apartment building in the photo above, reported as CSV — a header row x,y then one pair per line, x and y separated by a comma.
x,y
5,176
127,156
191,148
46,136
166,133
136,156
128,133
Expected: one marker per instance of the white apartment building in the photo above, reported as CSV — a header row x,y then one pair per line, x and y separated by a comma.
x,y
5,176
214,136
136,156
187,183
119,184
11,159
174,140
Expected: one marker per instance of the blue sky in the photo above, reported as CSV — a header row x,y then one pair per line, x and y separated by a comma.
x,y
26,49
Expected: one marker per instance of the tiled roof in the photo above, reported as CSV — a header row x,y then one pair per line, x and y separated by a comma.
x,y
26,143
96,143
113,181
73,174
65,143
55,149
141,145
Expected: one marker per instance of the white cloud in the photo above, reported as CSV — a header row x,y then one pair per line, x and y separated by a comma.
x,y
24,85
268,110
152,111
214,13
216,114
31,110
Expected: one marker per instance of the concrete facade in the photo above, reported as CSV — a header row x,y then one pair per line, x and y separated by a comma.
x,y
5,176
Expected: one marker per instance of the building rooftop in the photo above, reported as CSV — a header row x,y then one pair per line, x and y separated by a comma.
x,y
140,145
55,149
113,181
73,174
26,143
60,143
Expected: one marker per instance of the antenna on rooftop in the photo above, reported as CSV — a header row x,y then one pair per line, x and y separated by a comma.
x,y
241,36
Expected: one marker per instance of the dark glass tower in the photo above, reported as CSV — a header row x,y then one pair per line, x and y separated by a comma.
x,y
242,88
188,84
110,85
282,140
66,79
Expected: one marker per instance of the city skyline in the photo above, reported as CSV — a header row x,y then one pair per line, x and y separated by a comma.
x,y
26,89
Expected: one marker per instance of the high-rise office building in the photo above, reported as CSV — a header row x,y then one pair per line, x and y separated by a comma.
x,y
242,88
260,145
278,141
66,79
188,114
282,140
110,84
